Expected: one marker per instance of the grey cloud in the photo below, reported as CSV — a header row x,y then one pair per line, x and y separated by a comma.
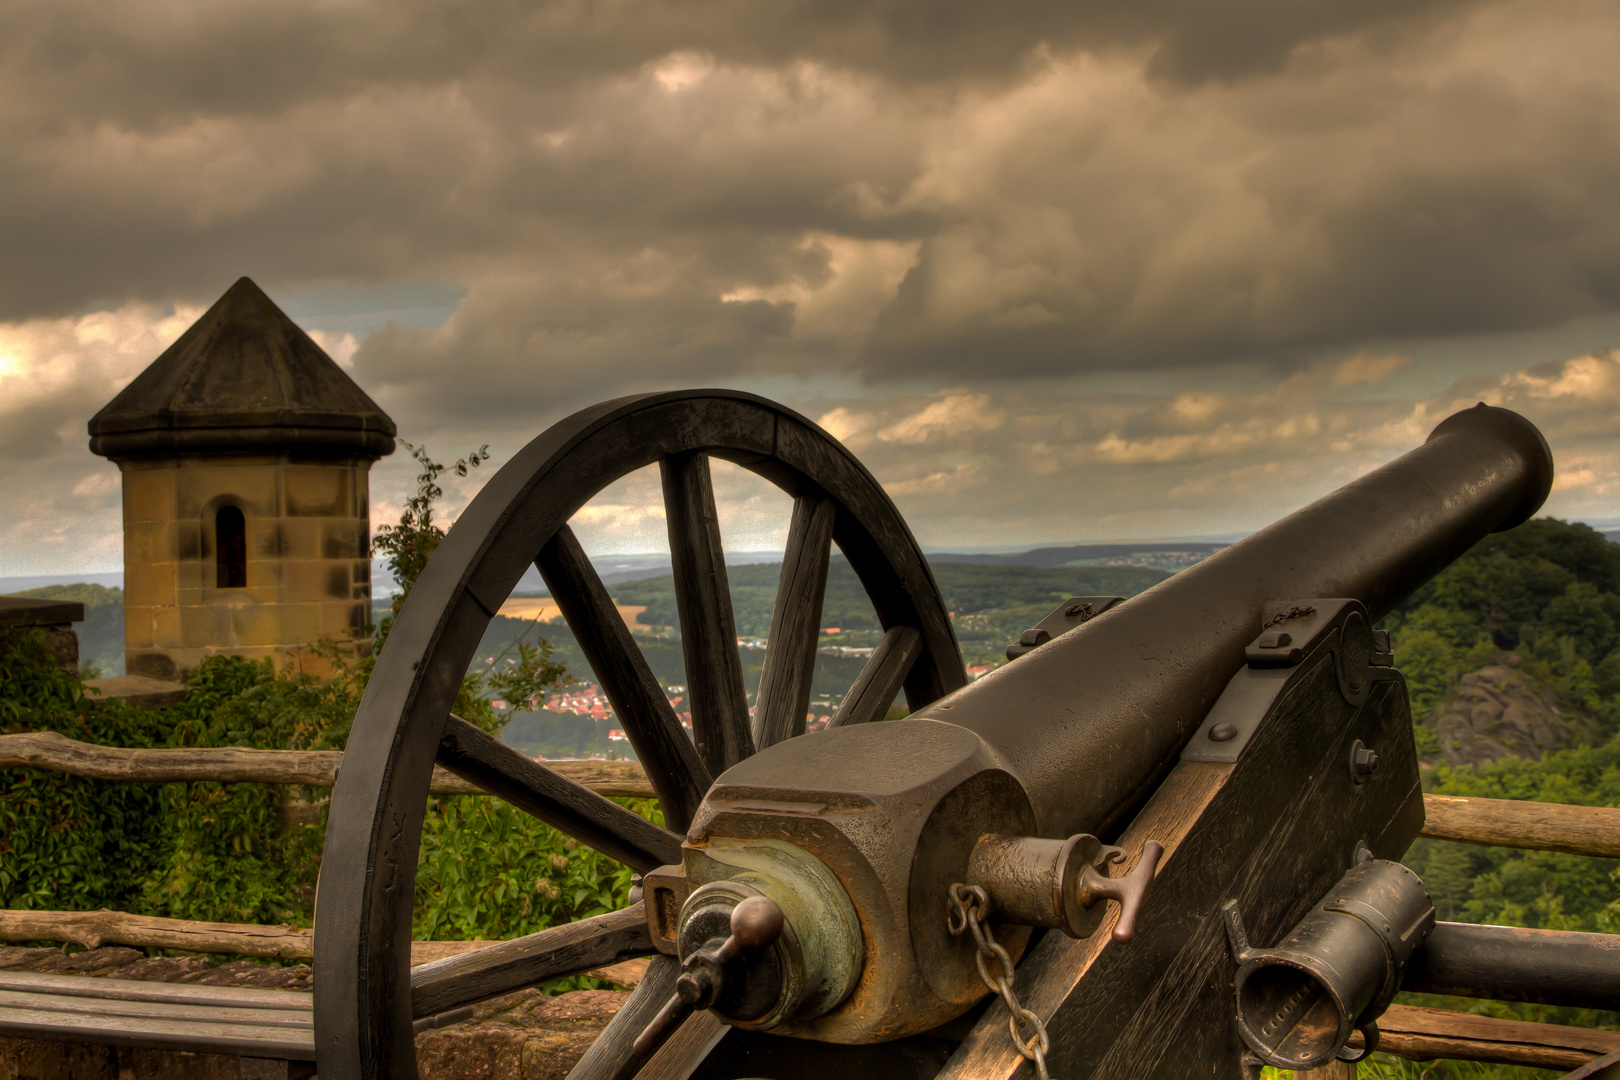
x,y
531,345
1461,181
1060,461
1088,185
151,63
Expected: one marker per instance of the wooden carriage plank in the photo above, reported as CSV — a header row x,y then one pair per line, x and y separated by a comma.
x,y
481,758
1180,961
1058,964
790,659
86,986
880,680
18,1001
714,677
571,949
155,1034
671,760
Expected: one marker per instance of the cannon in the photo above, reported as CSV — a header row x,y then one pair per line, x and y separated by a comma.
x,y
1160,842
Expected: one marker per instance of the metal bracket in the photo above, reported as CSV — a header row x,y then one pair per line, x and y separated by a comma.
x,y
663,894
1291,632
1065,617
1236,936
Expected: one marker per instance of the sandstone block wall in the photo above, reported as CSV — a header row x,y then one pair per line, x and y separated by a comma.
x,y
308,568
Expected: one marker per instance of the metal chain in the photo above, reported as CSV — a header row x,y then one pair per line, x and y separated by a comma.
x,y
1295,612
969,909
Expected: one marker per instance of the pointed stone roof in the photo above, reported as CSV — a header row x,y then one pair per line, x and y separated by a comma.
x,y
243,379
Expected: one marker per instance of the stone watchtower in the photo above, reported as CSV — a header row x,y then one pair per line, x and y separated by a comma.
x,y
245,453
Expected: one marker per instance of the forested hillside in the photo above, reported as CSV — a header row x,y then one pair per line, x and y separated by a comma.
x,y
967,588
1548,592
1512,657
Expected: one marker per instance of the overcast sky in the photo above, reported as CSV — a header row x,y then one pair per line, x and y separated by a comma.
x,y
1056,271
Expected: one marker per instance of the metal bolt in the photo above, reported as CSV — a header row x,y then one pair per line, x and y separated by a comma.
x,y
1363,761
1222,732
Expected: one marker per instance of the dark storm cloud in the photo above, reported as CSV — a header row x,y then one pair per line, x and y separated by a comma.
x,y
1073,186
147,62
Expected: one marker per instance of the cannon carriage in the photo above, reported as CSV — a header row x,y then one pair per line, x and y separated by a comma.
x,y
1162,842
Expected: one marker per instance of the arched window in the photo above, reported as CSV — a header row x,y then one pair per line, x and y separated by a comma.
x,y
230,547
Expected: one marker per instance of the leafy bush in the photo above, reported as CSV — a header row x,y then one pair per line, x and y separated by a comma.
x,y
208,851
490,871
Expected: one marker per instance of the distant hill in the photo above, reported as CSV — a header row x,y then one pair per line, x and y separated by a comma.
x,y
1082,554
967,588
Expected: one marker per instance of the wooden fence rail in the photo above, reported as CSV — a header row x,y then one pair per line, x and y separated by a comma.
x,y
312,768
1579,830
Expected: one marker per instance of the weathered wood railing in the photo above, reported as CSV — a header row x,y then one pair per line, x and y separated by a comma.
x,y
1407,1031
236,764
1578,830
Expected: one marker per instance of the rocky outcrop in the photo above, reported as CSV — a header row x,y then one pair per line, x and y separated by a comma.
x,y
1500,711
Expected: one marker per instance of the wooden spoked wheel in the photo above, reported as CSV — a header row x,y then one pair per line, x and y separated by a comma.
x,y
367,997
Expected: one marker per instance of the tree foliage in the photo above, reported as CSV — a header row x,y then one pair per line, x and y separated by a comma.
x,y
1547,590
406,546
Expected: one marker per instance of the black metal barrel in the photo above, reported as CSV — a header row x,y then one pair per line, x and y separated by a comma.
x,y
1091,721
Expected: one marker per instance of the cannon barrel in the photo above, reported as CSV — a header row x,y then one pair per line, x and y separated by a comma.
x,y
1092,720
861,833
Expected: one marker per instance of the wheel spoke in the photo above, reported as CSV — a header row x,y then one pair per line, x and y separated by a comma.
x,y
477,756
790,657
551,954
714,678
611,1055
880,680
685,1050
669,757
